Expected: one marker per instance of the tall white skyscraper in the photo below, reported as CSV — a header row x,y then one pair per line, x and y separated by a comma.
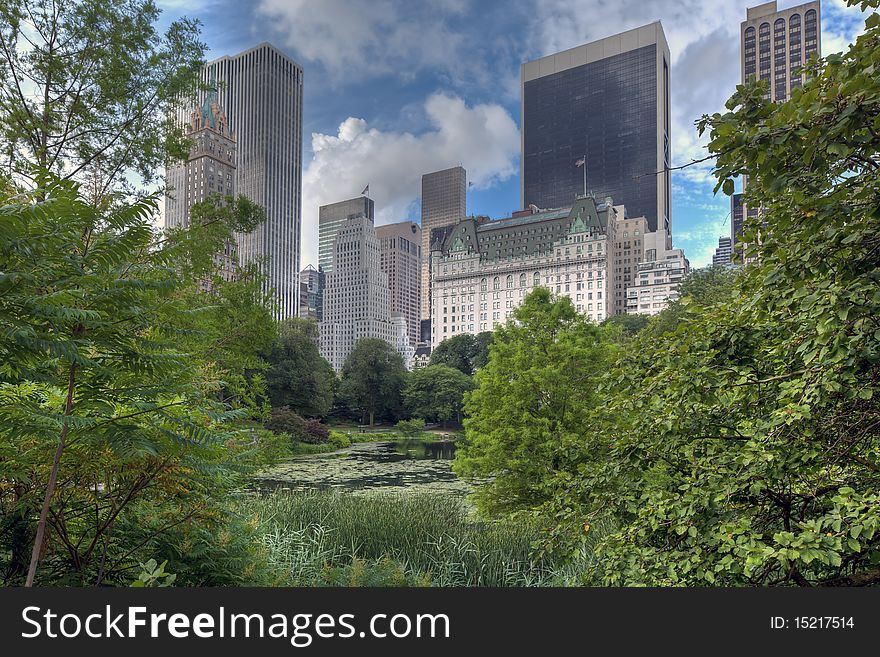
x,y
357,299
261,90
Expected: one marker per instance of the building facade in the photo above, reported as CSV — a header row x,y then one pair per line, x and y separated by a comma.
x,y
484,270
775,44
401,260
261,89
444,200
357,300
659,275
208,172
311,282
330,218
723,256
606,102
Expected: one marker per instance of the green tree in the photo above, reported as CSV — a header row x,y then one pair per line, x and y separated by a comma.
x,y
533,402
87,88
629,325
745,447
436,393
99,407
465,352
700,289
373,378
299,377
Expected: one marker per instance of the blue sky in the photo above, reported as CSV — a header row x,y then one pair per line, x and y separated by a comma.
x,y
397,88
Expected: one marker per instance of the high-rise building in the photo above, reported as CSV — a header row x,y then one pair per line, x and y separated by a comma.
x,y
659,275
774,45
777,43
605,102
357,300
724,253
208,172
443,203
401,260
262,92
311,282
330,218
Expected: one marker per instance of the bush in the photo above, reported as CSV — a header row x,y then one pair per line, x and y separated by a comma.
x,y
412,427
380,572
284,420
340,439
315,432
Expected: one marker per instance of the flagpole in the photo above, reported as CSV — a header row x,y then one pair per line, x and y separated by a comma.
x,y
585,176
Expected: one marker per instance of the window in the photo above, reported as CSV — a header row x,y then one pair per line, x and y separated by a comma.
x,y
537,279
510,282
496,283
483,285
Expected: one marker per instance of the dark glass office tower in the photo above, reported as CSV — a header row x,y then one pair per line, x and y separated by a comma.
x,y
607,101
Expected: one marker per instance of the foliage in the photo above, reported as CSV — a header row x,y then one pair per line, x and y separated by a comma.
x,y
316,432
742,445
436,393
299,377
629,325
154,575
533,402
87,88
411,428
101,412
700,289
339,439
309,536
378,572
284,420
373,378
465,352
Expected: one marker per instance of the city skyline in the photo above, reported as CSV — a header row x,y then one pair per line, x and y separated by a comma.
x,y
383,111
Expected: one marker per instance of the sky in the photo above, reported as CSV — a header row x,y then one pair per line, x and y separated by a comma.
x,y
397,88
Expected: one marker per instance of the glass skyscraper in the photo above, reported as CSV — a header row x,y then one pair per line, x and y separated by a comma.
x,y
606,102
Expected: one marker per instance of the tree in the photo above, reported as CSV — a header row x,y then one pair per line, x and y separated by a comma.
x,y
744,448
532,403
299,377
700,289
629,325
99,407
436,393
465,352
87,89
373,377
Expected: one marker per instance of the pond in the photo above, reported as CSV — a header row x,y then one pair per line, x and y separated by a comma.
x,y
409,465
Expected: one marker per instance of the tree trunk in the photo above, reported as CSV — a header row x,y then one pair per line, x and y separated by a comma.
x,y
53,479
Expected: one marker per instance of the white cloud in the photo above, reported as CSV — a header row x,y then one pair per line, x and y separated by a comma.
x,y
356,38
483,138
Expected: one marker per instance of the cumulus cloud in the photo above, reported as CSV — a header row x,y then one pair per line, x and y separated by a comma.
x,y
353,38
483,138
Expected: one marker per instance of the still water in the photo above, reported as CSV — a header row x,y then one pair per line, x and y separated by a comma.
x,y
411,465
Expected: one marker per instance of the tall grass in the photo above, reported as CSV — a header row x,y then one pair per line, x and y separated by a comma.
x,y
430,539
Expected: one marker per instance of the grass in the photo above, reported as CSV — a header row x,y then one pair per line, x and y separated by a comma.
x,y
329,538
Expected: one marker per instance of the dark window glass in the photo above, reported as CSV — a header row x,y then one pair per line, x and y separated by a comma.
x,y
606,110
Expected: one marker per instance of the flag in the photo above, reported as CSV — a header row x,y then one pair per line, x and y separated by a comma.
x,y
580,163
366,190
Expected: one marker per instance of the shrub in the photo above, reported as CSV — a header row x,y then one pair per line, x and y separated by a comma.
x,y
315,432
340,439
412,427
284,420
379,572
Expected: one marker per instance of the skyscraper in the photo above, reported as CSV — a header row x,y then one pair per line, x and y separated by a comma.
x,y
606,102
401,260
723,253
209,171
357,301
262,91
443,203
330,218
311,283
775,44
